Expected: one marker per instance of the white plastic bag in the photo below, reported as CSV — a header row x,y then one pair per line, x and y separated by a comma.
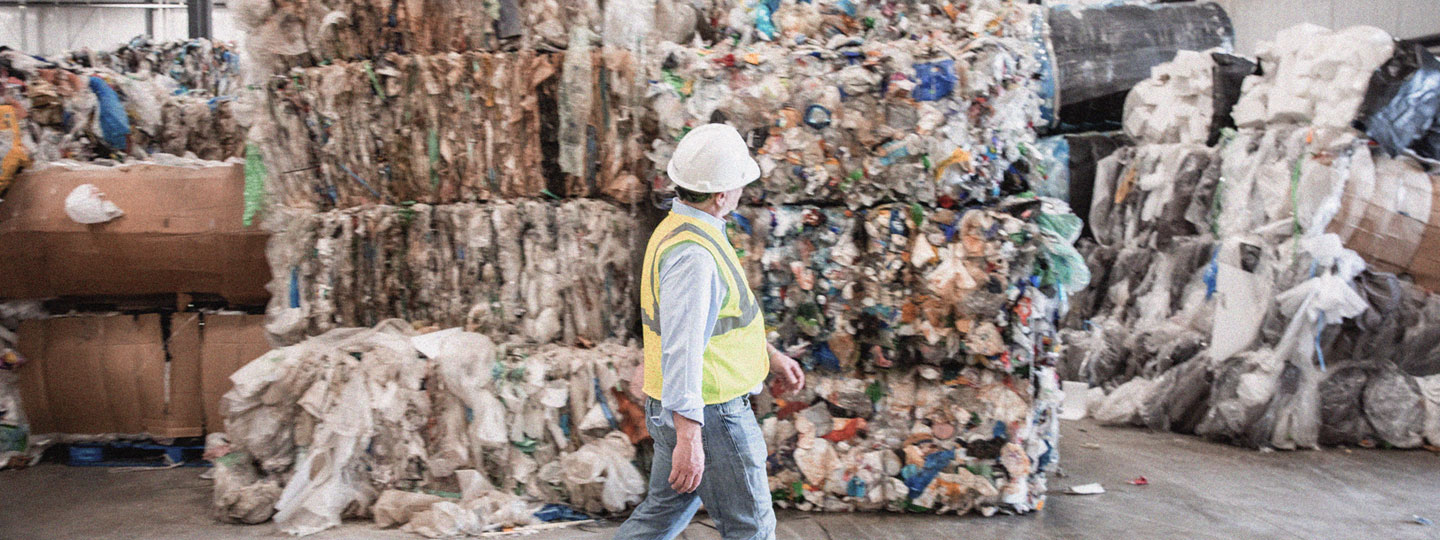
x,y
86,205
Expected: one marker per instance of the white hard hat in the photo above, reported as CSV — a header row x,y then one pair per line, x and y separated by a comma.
x,y
711,159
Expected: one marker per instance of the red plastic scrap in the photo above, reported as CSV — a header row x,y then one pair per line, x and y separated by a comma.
x,y
1141,481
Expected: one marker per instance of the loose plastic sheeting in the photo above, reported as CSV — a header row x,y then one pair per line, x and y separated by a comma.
x,y
856,103
1313,75
133,102
1223,307
332,427
541,271
1402,103
456,127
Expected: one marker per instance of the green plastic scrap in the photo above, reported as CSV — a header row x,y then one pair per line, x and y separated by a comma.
x,y
445,494
917,213
254,183
677,82
374,79
982,470
1066,226
432,142
875,391
527,446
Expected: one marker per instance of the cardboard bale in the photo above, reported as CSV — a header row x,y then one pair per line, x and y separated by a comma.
x,y
109,374
229,342
30,341
91,371
181,232
171,390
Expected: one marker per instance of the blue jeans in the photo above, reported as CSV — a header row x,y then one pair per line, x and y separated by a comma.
x,y
734,487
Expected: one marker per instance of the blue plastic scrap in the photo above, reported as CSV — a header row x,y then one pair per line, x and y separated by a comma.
x,y
114,123
817,117
936,80
934,463
559,512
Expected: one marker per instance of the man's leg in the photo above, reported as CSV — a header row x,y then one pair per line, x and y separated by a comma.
x,y
664,512
735,488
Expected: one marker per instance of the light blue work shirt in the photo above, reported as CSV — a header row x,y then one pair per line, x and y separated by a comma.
x,y
691,292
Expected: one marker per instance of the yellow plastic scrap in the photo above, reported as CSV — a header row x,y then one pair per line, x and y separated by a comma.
x,y
16,157
958,157
1126,185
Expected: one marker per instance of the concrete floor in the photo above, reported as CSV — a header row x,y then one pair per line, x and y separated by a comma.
x,y
1197,490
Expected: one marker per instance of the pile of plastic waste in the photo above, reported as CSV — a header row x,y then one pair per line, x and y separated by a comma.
x,y
120,105
856,103
537,271
445,433
1224,302
197,65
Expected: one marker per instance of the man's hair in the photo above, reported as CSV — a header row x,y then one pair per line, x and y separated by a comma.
x,y
693,197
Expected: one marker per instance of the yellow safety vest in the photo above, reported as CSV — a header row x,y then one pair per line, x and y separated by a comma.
x,y
735,358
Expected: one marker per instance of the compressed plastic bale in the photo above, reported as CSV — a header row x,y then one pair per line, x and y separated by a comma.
x,y
1123,405
1430,389
1341,414
321,124
1176,103
533,270
1318,76
1395,408
798,101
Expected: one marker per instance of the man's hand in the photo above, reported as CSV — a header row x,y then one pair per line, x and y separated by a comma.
x,y
788,375
687,463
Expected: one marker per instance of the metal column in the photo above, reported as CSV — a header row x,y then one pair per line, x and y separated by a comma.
x,y
199,12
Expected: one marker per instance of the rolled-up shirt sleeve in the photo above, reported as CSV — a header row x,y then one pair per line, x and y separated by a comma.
x,y
687,289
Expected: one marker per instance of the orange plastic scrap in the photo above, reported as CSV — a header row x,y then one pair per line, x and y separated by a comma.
x,y
632,417
846,429
1126,184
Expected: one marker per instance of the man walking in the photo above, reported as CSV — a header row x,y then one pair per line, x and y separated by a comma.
x,y
705,354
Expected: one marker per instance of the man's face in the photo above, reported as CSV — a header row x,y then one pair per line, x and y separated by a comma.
x,y
729,200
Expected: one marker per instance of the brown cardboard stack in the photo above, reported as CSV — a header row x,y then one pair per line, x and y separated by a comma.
x,y
121,374
181,232
228,343
1394,222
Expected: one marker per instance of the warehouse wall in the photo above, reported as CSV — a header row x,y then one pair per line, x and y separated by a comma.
x,y
47,30
1258,20
1255,21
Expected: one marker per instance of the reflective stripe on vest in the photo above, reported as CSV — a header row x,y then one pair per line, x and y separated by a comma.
x,y
749,308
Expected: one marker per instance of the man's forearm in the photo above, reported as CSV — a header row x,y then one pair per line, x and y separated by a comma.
x,y
685,428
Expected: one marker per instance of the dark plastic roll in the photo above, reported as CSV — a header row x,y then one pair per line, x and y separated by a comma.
x,y
1103,51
